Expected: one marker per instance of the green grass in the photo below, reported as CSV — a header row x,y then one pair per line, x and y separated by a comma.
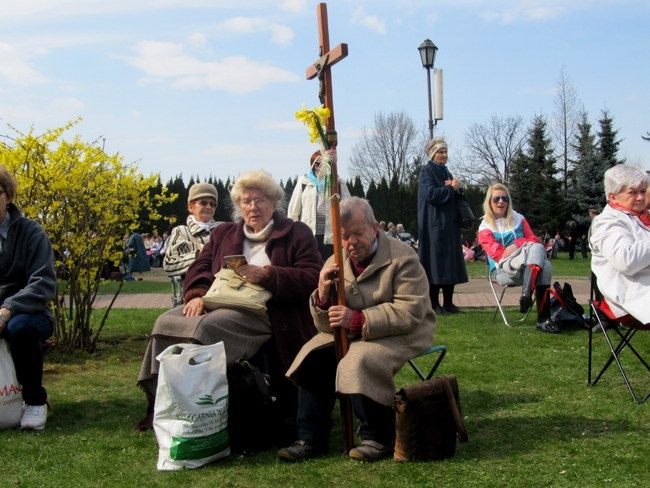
x,y
134,287
531,418
562,266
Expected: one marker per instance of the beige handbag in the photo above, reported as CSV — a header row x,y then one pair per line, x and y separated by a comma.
x,y
229,290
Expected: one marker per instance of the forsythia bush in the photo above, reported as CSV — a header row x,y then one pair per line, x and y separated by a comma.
x,y
86,200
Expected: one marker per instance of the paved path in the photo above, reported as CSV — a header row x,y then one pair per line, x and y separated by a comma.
x,y
474,294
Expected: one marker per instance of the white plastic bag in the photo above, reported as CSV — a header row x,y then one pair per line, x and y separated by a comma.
x,y
11,395
191,409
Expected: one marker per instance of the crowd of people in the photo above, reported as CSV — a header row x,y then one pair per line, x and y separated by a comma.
x,y
394,287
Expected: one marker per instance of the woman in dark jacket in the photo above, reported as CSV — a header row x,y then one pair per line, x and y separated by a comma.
x,y
27,286
440,246
282,256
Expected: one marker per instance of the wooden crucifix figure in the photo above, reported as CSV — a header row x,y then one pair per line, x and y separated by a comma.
x,y
321,69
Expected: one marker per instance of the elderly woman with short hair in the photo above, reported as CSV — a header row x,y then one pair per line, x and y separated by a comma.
x,y
620,243
186,241
282,256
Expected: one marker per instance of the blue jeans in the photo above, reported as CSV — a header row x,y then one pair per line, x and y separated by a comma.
x,y
25,334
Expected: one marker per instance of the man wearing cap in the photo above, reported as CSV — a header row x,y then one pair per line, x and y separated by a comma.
x,y
186,241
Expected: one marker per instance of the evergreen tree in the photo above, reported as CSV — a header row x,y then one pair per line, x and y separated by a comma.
x,y
533,183
607,141
587,190
224,207
356,188
373,196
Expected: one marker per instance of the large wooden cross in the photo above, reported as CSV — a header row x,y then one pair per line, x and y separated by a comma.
x,y
321,69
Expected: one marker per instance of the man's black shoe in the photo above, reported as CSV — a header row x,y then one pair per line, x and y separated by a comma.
x,y
525,302
453,309
548,326
299,451
440,311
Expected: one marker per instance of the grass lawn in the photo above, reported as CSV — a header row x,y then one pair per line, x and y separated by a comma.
x,y
562,266
531,419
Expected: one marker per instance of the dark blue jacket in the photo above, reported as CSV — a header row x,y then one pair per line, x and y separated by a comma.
x,y
27,277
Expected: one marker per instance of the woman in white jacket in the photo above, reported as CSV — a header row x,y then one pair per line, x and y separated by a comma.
x,y
620,243
309,204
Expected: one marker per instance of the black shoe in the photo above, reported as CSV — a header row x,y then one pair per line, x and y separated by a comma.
x,y
453,309
525,302
299,451
548,326
441,311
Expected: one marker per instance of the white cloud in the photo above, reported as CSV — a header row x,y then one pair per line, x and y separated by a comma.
x,y
15,70
523,13
280,34
67,108
293,5
359,17
166,61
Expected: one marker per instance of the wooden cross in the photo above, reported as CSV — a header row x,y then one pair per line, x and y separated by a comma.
x,y
322,70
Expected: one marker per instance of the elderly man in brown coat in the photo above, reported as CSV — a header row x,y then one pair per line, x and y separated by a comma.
x,y
389,319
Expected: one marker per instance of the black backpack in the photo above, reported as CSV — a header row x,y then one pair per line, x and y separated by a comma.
x,y
252,413
566,312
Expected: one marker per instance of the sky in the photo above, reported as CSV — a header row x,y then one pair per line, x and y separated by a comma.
x,y
200,88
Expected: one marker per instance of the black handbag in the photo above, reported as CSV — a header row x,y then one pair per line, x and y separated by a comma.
x,y
566,312
428,420
466,217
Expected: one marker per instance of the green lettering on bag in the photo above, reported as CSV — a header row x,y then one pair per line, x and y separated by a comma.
x,y
185,448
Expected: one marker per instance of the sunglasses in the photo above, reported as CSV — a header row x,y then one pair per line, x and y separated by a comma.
x,y
207,203
505,199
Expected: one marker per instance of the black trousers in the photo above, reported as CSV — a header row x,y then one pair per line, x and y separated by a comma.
x,y
317,397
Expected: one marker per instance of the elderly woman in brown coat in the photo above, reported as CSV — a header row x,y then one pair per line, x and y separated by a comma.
x,y
281,256
389,319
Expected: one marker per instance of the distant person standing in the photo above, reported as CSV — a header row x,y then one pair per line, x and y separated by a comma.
x,y
440,246
138,261
309,204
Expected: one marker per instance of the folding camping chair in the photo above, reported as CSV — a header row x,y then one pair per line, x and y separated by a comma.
x,y
441,350
498,298
624,327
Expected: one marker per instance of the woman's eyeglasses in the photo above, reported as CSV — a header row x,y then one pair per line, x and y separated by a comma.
x,y
505,199
207,203
258,202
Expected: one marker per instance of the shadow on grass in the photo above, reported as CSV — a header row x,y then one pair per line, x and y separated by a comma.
x,y
514,435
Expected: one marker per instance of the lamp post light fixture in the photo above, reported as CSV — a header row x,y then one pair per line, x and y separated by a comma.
x,y
428,52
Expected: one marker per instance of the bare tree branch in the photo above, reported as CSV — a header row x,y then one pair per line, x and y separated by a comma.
x,y
387,150
489,149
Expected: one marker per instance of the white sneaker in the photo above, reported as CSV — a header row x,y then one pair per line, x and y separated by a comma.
x,y
34,417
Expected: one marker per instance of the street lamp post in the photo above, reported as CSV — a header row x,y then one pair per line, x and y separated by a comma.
x,y
428,55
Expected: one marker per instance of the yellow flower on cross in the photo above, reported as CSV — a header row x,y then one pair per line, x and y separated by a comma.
x,y
315,119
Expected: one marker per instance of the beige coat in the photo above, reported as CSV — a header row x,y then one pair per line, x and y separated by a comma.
x,y
393,293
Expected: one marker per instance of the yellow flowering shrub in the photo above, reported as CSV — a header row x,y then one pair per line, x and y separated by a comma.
x,y
86,200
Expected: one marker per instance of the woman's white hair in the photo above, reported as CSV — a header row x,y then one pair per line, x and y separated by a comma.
x,y
622,176
259,180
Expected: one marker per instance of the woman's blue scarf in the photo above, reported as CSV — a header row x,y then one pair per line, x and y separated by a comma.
x,y
311,176
442,170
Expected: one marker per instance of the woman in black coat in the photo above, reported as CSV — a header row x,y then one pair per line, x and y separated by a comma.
x,y
439,234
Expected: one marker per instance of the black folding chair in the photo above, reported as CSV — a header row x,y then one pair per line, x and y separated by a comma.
x,y
618,333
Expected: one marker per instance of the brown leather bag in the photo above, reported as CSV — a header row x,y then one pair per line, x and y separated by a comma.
x,y
428,420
